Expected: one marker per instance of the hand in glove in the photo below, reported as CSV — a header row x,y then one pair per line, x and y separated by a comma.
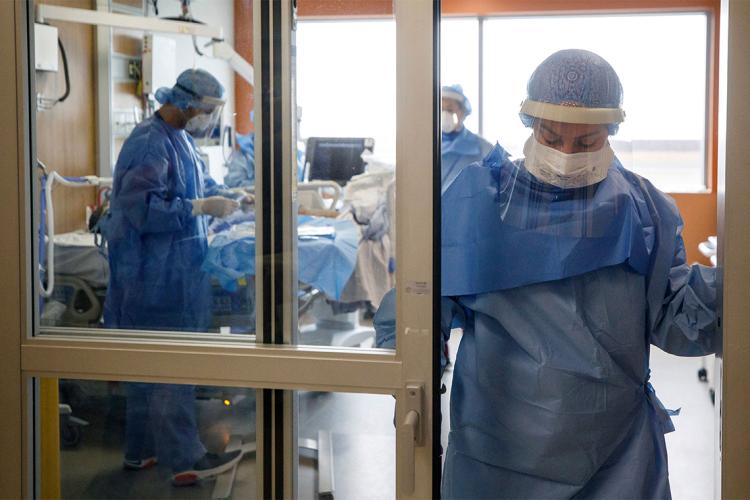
x,y
244,196
215,206
247,202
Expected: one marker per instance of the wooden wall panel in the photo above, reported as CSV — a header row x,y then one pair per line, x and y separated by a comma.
x,y
127,42
135,4
66,134
380,8
243,44
699,215
517,7
344,8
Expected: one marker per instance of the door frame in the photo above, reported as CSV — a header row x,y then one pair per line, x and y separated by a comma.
x,y
732,409
142,357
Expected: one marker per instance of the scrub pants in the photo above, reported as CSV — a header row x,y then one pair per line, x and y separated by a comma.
x,y
161,421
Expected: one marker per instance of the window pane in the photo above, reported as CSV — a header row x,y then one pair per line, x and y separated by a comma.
x,y
161,237
138,440
662,69
346,108
459,61
348,89
546,284
354,438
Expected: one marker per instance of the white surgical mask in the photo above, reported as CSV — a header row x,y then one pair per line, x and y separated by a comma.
x,y
198,125
448,121
566,170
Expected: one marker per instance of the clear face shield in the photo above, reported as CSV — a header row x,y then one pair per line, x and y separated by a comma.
x,y
554,189
204,124
550,215
568,147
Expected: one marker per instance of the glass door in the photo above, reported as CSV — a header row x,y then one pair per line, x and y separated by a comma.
x,y
201,322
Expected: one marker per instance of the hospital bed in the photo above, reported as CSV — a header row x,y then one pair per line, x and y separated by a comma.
x,y
327,255
328,260
81,274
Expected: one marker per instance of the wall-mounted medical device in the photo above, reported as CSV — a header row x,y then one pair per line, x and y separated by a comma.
x,y
159,62
45,47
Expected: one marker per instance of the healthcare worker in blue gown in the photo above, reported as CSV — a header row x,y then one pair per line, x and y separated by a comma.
x,y
563,268
156,236
460,146
241,163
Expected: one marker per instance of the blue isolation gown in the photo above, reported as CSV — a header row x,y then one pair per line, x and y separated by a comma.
x,y
241,164
560,294
459,149
156,248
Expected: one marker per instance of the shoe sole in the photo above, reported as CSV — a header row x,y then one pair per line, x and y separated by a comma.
x,y
189,478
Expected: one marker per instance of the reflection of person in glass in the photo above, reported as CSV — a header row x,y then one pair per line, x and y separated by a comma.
x,y
460,146
156,235
563,268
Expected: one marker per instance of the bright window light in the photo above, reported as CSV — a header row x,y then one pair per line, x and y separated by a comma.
x,y
346,81
661,60
459,61
349,89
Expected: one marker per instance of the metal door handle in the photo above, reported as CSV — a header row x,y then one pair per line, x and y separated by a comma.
x,y
408,436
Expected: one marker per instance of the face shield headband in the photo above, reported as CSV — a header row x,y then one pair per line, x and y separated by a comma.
x,y
204,103
572,114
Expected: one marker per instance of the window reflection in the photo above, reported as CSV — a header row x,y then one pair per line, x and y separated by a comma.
x,y
126,440
136,440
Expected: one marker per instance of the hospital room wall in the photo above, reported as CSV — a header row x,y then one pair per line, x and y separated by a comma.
x,y
66,134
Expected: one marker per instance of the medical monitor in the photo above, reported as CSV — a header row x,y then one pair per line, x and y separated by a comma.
x,y
336,158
